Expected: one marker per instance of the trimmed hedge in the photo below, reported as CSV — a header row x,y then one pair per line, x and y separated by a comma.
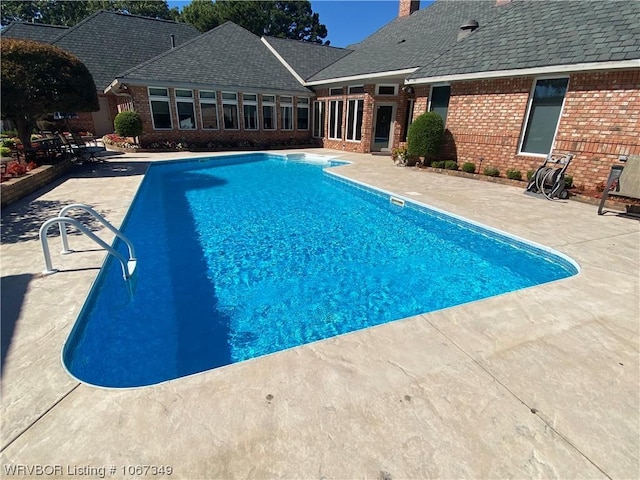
x,y
469,167
425,135
128,124
491,172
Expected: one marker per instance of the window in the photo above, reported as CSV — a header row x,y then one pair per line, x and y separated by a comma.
x,y
408,119
335,91
230,110
185,109
440,101
303,113
160,109
356,89
545,106
269,112
286,112
318,119
250,111
208,110
335,119
386,89
354,119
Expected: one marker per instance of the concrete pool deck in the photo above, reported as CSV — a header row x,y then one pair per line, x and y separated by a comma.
x,y
538,383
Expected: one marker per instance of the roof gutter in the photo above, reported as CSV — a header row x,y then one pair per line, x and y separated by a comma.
x,y
365,76
283,61
576,67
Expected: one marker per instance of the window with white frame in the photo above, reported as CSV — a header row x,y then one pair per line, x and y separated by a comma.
x,y
386,89
440,101
186,109
545,106
335,119
286,112
230,110
356,89
303,114
208,110
336,91
408,118
269,112
354,119
160,108
250,111
318,118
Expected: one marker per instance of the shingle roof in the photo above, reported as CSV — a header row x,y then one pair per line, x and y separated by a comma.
x,y
227,56
109,42
39,32
545,33
412,41
304,57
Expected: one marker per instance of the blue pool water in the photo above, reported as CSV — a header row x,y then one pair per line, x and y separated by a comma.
x,y
243,256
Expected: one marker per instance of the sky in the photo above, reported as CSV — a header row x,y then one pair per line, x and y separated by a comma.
x,y
347,21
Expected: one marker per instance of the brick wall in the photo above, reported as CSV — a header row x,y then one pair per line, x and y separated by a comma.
x,y
141,104
600,121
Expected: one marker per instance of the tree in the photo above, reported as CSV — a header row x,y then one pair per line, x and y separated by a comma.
x,y
275,18
425,135
68,13
128,124
37,79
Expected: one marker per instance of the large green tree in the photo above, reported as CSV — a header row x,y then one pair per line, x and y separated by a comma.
x,y
277,18
63,12
38,79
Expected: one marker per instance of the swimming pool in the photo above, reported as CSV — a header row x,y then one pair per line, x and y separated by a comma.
x,y
242,256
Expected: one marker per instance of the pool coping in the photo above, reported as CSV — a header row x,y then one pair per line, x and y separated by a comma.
x,y
287,414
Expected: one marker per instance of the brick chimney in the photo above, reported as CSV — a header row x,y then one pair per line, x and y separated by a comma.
x,y
407,7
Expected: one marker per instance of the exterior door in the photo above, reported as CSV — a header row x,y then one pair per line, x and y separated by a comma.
x,y
383,127
102,121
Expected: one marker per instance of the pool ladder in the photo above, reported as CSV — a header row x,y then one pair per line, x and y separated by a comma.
x,y
62,220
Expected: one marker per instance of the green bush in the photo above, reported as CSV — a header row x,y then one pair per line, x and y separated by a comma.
x,y
469,167
451,165
514,174
568,181
128,124
5,152
491,172
8,142
530,174
425,135
438,164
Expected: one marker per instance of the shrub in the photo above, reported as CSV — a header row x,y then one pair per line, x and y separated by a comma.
x,y
5,152
451,165
31,166
425,135
514,174
16,168
491,172
439,164
568,181
469,167
530,174
9,143
128,124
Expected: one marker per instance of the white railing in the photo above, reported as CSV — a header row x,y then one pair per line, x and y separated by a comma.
x,y
62,220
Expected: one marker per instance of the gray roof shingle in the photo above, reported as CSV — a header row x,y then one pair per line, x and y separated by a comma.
x,y
227,55
545,33
409,42
39,32
109,42
304,57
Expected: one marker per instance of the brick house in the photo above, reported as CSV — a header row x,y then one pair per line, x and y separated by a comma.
x,y
513,79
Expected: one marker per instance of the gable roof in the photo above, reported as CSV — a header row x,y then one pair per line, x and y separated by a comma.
x,y
39,32
304,57
532,34
226,56
110,42
410,42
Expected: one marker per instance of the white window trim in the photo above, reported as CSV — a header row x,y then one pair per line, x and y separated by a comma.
x,y
322,104
431,92
209,101
336,120
230,102
395,89
272,104
348,125
526,118
159,98
286,101
254,103
303,106
186,100
331,94
349,92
